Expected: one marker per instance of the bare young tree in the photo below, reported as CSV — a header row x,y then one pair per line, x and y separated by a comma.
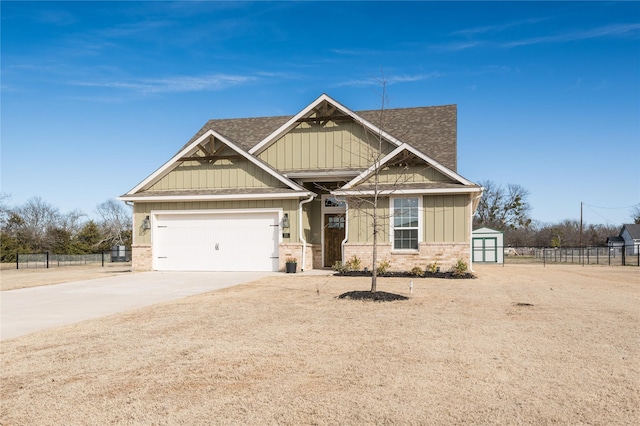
x,y
368,203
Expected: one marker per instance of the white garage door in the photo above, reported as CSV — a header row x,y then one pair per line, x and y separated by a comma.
x,y
216,241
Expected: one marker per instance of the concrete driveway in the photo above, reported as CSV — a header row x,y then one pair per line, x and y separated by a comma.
x,y
27,310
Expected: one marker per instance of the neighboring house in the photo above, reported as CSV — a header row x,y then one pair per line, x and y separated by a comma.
x,y
615,242
487,245
630,233
246,194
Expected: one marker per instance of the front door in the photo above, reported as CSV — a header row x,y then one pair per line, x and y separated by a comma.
x,y
333,237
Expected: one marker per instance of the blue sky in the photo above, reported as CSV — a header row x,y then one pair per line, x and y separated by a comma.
x,y
97,95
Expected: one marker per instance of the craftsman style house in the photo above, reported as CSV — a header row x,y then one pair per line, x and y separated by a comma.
x,y
247,194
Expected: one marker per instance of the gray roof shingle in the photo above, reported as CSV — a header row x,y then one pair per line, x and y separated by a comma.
x,y
432,130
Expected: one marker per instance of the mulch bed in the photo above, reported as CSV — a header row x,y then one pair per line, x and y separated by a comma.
x,y
446,275
376,296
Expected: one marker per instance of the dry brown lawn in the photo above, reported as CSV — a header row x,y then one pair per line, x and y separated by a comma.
x,y
521,344
12,278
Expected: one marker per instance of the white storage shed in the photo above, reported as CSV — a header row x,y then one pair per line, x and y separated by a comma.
x,y
487,246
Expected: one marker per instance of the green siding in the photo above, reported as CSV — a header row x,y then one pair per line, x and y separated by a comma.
x,y
361,222
311,146
417,173
223,174
446,218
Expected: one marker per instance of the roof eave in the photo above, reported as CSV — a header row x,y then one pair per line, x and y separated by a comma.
x,y
220,197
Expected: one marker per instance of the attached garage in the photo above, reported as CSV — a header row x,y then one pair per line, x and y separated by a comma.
x,y
215,240
487,246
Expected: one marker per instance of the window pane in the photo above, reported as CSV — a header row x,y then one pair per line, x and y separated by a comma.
x,y
405,239
405,213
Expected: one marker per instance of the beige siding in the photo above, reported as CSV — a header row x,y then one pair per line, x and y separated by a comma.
x,y
219,175
141,210
332,146
446,218
418,173
312,218
361,222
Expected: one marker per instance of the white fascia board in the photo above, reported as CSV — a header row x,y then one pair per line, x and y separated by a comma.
x,y
442,169
294,122
291,184
182,198
357,193
404,146
362,176
159,173
192,147
333,173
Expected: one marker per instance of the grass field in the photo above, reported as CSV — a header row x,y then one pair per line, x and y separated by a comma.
x,y
521,344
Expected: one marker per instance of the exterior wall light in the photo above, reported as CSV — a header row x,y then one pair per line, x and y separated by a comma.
x,y
285,220
146,223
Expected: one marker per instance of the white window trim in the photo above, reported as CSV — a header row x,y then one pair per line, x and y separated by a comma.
x,y
391,227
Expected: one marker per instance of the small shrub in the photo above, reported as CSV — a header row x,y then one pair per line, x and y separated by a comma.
x,y
354,263
383,267
339,267
460,268
417,271
432,267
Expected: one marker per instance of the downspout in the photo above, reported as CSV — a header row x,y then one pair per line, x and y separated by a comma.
x,y
474,206
346,230
301,230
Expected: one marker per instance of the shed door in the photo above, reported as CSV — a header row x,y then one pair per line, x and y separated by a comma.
x,y
485,249
216,242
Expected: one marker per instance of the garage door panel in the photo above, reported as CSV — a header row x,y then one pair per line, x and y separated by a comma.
x,y
216,242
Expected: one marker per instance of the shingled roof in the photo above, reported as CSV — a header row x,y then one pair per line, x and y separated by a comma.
x,y
431,130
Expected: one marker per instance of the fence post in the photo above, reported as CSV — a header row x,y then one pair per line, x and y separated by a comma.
x,y
102,257
623,252
47,260
17,259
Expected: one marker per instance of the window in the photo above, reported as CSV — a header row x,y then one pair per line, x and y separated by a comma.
x,y
405,230
331,201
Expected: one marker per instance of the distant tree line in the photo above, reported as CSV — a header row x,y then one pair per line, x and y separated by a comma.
x,y
507,209
37,226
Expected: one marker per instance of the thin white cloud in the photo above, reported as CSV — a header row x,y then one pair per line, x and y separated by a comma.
x,y
615,30
456,46
496,28
375,81
356,52
174,84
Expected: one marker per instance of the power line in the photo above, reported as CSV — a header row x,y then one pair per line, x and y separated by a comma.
x,y
612,208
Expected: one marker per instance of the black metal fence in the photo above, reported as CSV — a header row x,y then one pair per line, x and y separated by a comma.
x,y
51,260
628,255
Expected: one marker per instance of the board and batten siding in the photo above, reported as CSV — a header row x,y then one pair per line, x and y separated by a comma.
x,y
141,210
417,173
332,146
445,219
223,174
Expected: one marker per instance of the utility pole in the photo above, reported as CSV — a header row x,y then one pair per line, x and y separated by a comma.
x,y
581,224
